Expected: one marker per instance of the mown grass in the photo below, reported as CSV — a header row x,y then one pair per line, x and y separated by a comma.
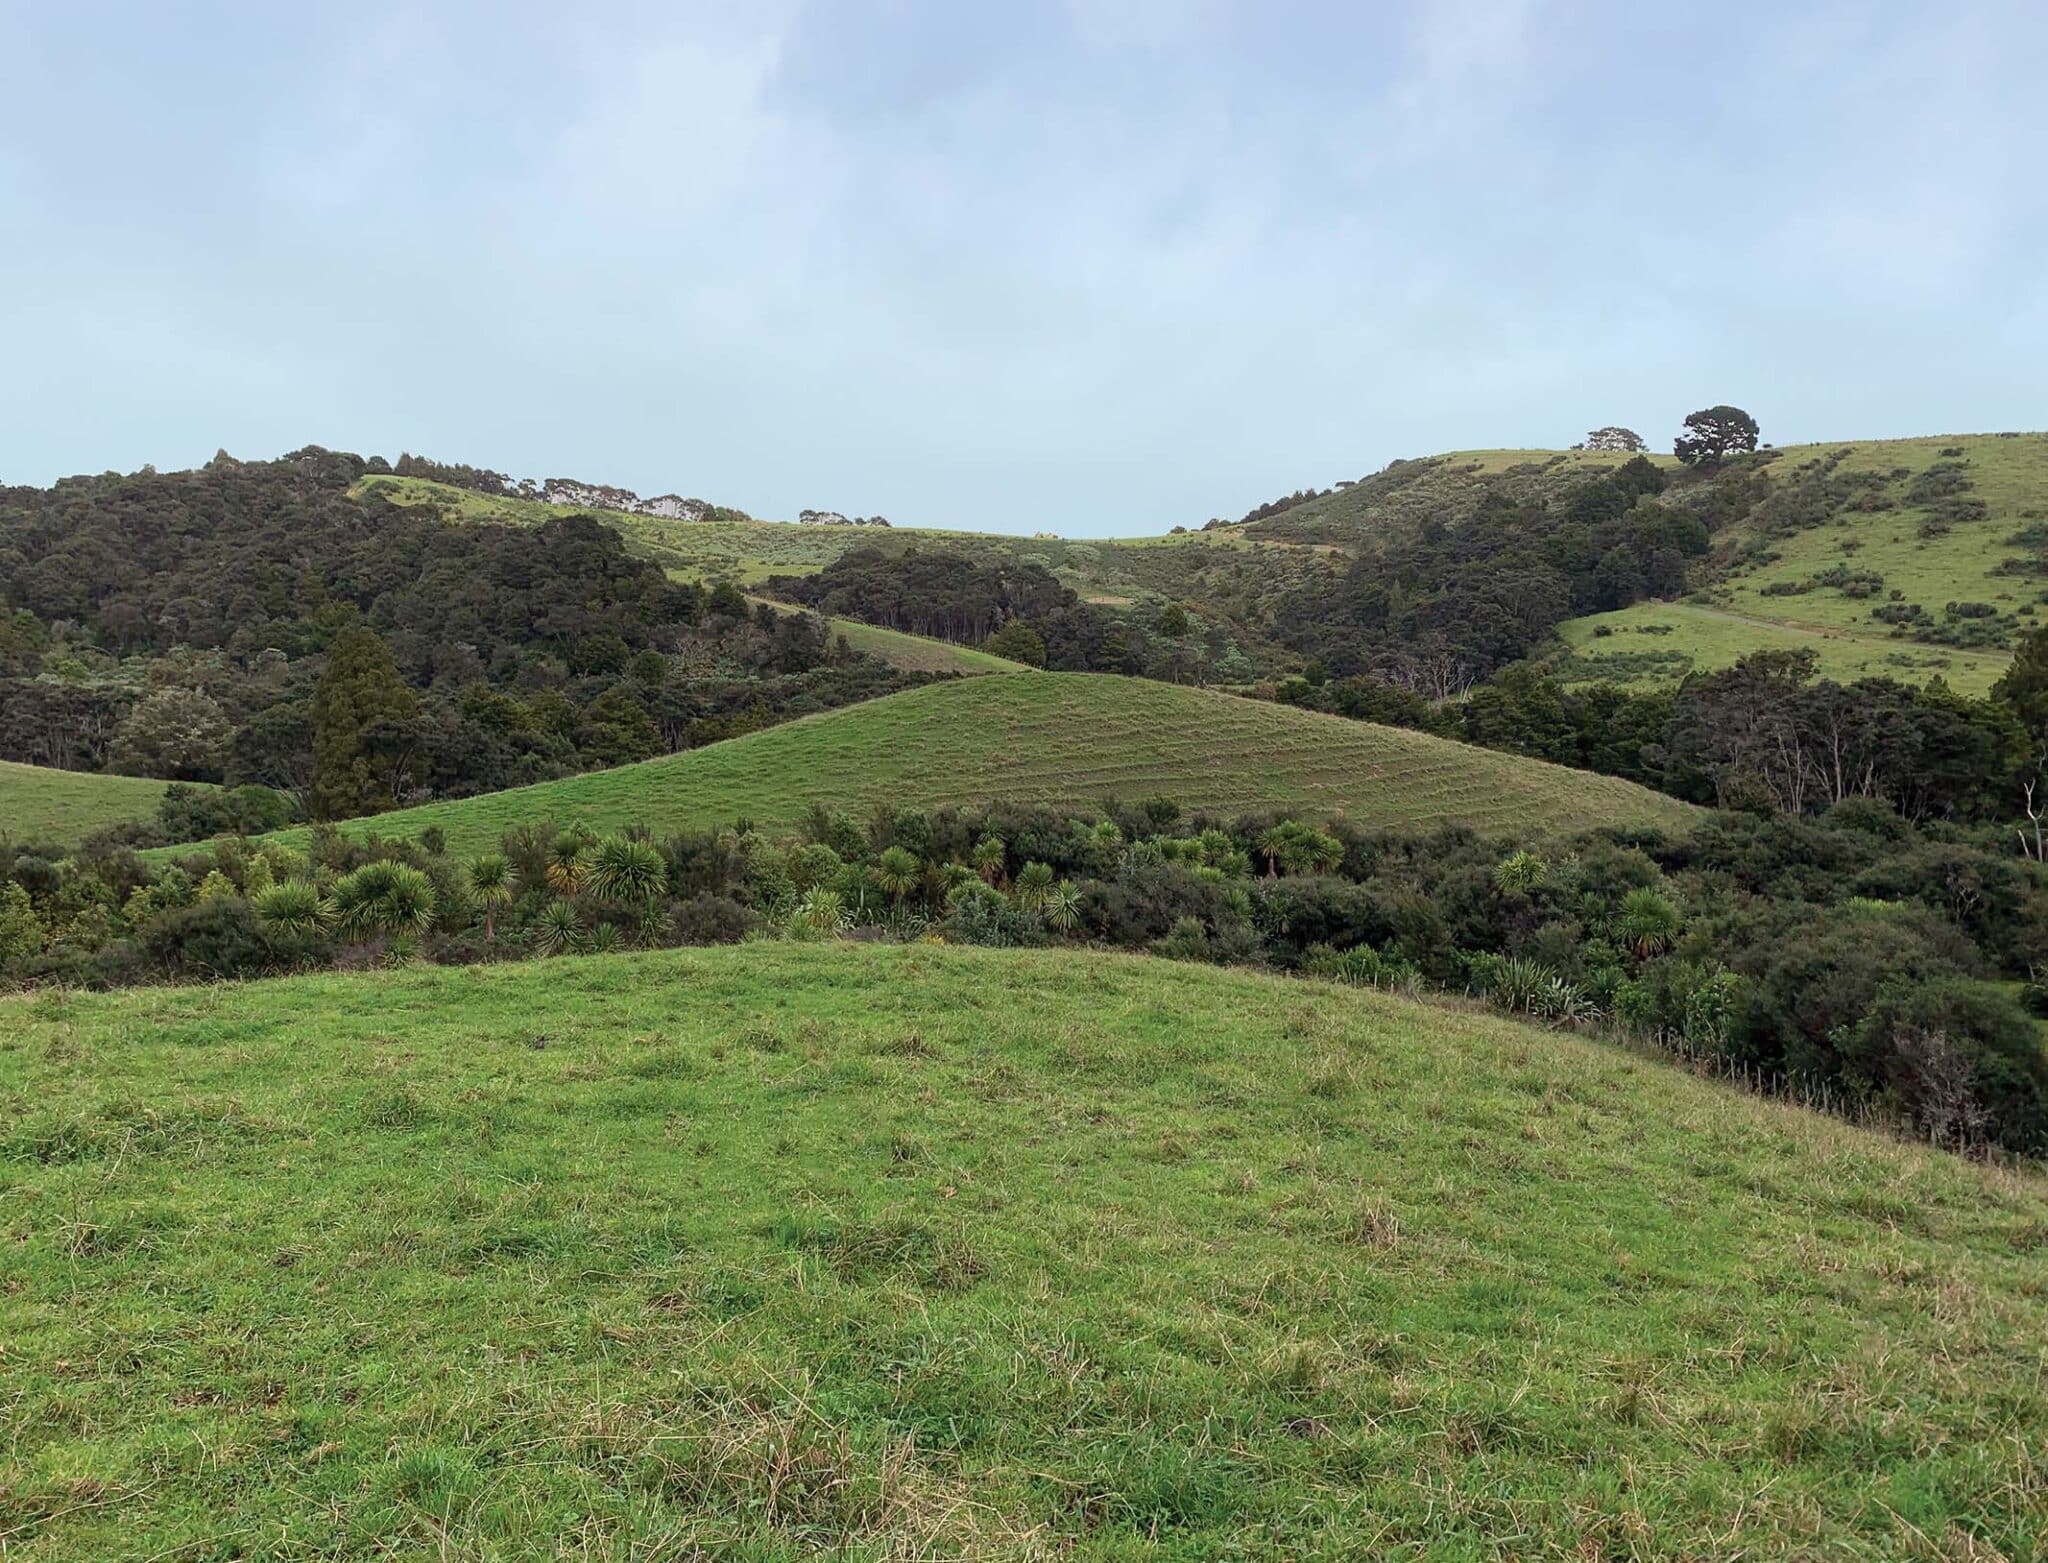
x,y
1066,739
1661,642
41,804
909,1251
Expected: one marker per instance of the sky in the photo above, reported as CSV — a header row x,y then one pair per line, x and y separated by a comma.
x,y
1096,267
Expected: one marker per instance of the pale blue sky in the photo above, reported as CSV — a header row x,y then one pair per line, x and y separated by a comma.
x,y
1093,267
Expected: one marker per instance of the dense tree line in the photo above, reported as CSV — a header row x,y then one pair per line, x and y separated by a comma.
x,y
951,596
260,623
1766,735
1856,959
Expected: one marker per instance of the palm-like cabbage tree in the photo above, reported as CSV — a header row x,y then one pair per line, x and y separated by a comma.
x,y
991,859
620,868
820,914
897,872
490,881
294,909
1647,923
1034,884
1062,906
383,898
558,931
565,864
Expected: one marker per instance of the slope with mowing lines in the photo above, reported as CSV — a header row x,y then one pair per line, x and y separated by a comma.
x,y
797,1251
41,804
1070,739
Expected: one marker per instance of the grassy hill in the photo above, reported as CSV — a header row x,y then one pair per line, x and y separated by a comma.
x,y
1661,642
1062,738
40,804
1841,542
914,1252
1116,572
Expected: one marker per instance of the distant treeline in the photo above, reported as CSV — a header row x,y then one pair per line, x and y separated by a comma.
x,y
255,622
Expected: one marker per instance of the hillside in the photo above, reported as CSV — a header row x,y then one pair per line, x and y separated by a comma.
x,y
1904,558
922,1252
1069,739
1123,572
40,804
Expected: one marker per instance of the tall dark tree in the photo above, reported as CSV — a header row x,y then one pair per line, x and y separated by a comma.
x,y
359,703
1715,432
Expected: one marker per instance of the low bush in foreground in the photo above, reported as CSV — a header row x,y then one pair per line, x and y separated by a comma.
x,y
1858,961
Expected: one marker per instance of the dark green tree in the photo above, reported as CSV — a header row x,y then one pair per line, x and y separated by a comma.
x,y
359,691
1714,432
1019,642
1614,437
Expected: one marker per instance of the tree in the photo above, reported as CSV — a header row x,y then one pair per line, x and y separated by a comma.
x,y
2025,686
897,873
2024,690
1712,433
991,858
1019,642
21,931
1613,436
490,882
1173,621
178,734
359,691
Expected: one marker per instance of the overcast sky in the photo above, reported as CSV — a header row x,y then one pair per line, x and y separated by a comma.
x,y
1095,267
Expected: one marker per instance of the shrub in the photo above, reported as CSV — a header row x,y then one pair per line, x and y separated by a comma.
x,y
1361,966
1962,1061
711,919
213,939
979,914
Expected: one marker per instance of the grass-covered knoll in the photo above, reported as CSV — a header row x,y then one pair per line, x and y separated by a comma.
x,y
934,1252
41,804
1070,739
1661,642
1904,559
1955,519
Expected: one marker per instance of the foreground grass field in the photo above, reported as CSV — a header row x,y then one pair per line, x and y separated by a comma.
x,y
914,1251
1071,739
40,804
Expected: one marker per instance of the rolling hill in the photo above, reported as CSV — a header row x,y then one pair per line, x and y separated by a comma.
x,y
1113,572
775,1251
41,804
1062,738
1905,558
